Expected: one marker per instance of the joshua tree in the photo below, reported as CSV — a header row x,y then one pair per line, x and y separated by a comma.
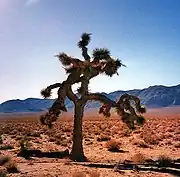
x,y
80,71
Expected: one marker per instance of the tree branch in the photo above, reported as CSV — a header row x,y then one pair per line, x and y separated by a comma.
x,y
125,99
85,54
53,86
122,106
71,95
102,98
46,93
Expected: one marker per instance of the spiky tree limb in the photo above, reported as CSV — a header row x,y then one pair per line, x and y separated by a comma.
x,y
73,97
101,98
46,93
123,107
126,97
85,39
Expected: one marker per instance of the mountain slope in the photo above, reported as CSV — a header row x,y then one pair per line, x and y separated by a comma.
x,y
154,96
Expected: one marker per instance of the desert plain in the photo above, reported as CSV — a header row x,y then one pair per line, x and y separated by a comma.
x,y
105,141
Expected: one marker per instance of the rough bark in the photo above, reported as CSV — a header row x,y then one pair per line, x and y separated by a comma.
x,y
77,153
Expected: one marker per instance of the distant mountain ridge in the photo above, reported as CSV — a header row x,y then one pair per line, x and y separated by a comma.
x,y
153,97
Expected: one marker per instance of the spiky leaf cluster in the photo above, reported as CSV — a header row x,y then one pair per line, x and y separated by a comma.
x,y
85,39
64,59
101,54
140,120
141,109
132,120
105,110
112,67
70,69
46,93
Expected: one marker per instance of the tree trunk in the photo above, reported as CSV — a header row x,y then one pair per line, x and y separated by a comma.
x,y
77,153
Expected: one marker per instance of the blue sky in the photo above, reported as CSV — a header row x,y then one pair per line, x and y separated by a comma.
x,y
144,34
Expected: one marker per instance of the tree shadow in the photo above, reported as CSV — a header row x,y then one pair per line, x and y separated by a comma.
x,y
118,150
27,154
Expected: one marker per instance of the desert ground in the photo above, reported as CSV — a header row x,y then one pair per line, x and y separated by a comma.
x,y
158,138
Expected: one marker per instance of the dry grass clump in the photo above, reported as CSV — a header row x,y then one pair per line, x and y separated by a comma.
x,y
140,143
150,137
66,129
177,145
113,146
6,147
138,158
1,139
164,161
3,171
3,160
103,138
11,167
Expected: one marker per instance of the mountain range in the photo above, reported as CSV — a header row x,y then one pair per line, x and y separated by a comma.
x,y
157,96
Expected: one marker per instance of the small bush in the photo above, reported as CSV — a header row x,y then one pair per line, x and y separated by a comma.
x,y
6,147
58,141
35,134
66,129
113,146
151,139
24,143
3,173
1,139
177,145
103,138
164,161
11,167
141,143
3,160
138,158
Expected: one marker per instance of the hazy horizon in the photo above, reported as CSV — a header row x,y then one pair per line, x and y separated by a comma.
x,y
143,34
54,96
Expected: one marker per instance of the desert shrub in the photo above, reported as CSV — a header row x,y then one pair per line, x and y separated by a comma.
x,y
3,160
150,137
18,137
35,134
177,145
24,143
1,139
58,141
126,132
61,141
138,158
164,161
11,167
67,129
6,147
140,143
113,146
3,173
103,138
52,139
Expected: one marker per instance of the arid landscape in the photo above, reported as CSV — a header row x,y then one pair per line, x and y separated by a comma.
x,y
89,88
106,141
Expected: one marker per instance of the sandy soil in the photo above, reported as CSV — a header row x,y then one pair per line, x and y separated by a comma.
x,y
160,136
